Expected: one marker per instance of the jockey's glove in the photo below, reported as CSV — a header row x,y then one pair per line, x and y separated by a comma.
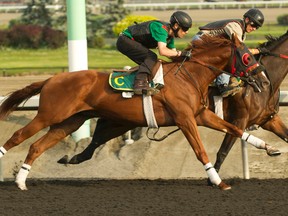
x,y
186,54
263,51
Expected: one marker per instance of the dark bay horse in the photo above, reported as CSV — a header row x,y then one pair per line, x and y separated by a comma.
x,y
67,100
250,108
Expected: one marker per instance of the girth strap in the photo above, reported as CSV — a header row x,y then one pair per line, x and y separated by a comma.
x,y
149,112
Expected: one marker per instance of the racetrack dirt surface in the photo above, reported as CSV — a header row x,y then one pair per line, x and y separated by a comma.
x,y
144,197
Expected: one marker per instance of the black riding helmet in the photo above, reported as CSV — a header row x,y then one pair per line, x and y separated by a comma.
x,y
256,16
183,20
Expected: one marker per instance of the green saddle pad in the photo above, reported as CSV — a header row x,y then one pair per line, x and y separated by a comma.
x,y
122,81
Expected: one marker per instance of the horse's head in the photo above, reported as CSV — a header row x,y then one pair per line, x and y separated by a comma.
x,y
244,65
275,58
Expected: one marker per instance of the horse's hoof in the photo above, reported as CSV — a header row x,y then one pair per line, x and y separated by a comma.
x,y
271,151
224,186
74,160
21,185
63,160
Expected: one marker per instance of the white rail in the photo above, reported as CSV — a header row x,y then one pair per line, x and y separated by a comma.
x,y
174,5
212,5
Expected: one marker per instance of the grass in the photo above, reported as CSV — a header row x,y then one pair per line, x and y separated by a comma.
x,y
46,61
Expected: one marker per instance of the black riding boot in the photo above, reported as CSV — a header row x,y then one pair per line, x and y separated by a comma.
x,y
141,85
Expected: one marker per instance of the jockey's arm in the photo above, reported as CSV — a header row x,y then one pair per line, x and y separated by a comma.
x,y
254,51
167,52
234,28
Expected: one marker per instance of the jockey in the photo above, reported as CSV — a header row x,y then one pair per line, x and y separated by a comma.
x,y
137,40
252,20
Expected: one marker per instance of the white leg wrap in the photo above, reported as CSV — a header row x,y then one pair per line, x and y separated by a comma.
x,y
22,176
258,143
2,151
212,174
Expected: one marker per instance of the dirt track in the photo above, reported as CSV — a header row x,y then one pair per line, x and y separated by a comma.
x,y
143,197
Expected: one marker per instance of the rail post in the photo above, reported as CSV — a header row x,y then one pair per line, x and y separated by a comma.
x,y
77,50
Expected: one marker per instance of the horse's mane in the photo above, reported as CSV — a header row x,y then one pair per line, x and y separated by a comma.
x,y
206,43
273,41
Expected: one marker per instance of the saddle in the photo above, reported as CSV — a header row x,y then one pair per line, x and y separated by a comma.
x,y
122,80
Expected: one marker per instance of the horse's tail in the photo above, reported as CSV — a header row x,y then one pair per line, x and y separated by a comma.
x,y
17,97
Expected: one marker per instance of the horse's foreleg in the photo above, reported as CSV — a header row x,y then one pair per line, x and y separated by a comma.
x,y
227,143
22,134
56,133
105,131
190,130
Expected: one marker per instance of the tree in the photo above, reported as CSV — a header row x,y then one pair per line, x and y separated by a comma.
x,y
130,20
113,13
36,13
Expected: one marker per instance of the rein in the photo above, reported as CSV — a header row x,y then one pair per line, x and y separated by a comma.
x,y
178,69
157,130
278,55
232,59
189,75
233,70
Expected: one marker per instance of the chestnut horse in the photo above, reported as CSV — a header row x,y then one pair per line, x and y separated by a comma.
x,y
67,100
243,110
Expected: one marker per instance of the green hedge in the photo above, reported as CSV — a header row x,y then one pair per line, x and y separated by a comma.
x,y
32,37
283,19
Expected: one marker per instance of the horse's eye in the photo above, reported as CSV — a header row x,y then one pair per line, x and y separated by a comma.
x,y
246,59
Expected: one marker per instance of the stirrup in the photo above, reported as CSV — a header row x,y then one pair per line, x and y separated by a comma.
x,y
150,91
147,91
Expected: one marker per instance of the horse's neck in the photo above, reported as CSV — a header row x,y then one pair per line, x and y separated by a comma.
x,y
203,68
276,67
192,74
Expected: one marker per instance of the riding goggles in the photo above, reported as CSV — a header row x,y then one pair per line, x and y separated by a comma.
x,y
185,29
254,25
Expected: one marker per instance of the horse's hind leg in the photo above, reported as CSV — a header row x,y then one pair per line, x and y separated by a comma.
x,y
105,131
22,134
56,133
277,126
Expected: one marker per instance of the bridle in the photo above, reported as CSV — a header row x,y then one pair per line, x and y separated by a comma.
x,y
253,69
275,55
